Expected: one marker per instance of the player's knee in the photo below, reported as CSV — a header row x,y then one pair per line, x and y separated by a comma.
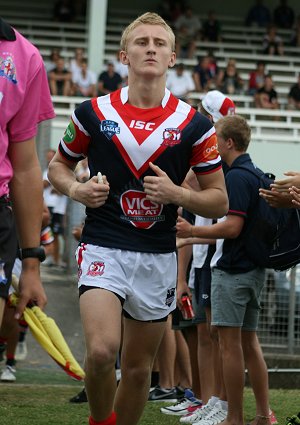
x,y
101,357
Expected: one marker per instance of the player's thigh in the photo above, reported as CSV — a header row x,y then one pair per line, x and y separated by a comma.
x,y
140,342
100,312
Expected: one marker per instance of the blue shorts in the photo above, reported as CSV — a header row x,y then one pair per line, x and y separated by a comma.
x,y
235,298
203,286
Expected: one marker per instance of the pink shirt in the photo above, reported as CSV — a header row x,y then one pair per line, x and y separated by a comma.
x,y
24,98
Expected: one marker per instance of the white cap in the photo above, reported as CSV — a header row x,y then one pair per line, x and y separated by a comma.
x,y
218,105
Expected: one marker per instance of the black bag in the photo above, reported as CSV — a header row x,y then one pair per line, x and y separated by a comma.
x,y
272,235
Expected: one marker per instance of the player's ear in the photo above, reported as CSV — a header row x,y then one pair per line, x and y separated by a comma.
x,y
172,60
124,58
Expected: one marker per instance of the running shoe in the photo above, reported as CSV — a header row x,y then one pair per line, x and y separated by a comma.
x,y
293,420
8,374
163,394
181,408
197,415
81,397
21,351
215,417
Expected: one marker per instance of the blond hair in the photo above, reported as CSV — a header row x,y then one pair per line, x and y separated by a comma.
x,y
148,18
236,128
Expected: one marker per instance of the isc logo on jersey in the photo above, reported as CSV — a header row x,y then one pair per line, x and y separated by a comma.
x,y
142,125
141,212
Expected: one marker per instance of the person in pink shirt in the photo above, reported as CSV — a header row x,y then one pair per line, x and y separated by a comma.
x,y
24,102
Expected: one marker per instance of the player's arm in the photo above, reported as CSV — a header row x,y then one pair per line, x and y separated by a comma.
x,y
229,228
26,192
62,175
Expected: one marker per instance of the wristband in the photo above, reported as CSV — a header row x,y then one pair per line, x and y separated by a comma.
x,y
37,252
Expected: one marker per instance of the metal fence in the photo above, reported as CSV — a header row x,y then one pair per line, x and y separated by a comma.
x,y
279,324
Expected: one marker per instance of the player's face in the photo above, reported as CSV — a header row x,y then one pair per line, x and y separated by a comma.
x,y
222,145
149,51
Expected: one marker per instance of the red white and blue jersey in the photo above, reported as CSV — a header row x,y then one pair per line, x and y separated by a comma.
x,y
120,140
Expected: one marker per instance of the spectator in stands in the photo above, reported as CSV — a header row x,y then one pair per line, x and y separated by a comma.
x,y
257,78
53,58
203,76
170,10
180,82
266,96
211,28
60,79
213,66
120,68
283,15
85,83
185,43
295,36
229,80
258,15
75,63
272,43
109,80
64,11
294,96
187,28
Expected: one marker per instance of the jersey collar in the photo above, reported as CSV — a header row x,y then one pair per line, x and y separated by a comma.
x,y
6,31
124,96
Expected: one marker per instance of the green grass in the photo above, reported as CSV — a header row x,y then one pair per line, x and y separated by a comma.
x,y
40,397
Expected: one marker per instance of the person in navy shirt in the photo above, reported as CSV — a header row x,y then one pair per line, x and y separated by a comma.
x,y
236,281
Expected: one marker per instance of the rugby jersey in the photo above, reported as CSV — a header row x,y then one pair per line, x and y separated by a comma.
x,y
120,140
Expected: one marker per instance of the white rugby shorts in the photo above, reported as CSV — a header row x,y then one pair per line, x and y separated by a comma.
x,y
146,281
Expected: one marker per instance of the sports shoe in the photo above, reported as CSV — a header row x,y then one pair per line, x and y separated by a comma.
x,y
81,397
293,420
216,416
181,408
163,394
8,374
197,415
21,351
273,418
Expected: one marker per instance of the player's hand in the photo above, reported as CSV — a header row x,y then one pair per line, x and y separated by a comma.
x,y
184,228
160,188
30,287
276,199
295,194
91,193
284,185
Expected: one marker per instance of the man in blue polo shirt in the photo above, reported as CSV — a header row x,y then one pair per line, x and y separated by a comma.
x,y
236,282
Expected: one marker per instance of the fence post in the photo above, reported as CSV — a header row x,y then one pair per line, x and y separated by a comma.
x,y
292,305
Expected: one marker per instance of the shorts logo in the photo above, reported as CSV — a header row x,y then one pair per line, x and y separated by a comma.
x,y
96,268
170,297
139,211
109,128
205,296
70,133
171,137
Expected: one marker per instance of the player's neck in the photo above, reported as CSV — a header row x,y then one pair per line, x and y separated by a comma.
x,y
145,95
